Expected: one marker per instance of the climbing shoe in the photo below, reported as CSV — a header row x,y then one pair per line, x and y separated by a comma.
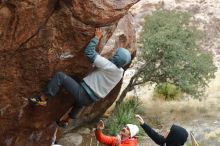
x,y
37,101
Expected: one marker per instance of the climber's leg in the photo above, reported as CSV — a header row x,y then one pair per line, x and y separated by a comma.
x,y
61,79
81,100
58,80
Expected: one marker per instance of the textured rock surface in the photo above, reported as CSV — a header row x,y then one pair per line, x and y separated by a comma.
x,y
38,38
71,139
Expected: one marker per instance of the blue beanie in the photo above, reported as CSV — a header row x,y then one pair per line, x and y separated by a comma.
x,y
122,57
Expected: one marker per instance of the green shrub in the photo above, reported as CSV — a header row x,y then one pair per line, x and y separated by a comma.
x,y
122,115
166,91
171,52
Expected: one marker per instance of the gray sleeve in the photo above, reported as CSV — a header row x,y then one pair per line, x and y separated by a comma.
x,y
90,51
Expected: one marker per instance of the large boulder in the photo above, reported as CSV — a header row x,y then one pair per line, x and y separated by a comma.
x,y
39,38
71,139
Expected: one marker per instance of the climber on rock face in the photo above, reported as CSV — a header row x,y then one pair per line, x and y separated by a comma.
x,y
94,86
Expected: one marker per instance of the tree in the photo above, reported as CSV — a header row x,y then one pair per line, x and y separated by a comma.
x,y
171,53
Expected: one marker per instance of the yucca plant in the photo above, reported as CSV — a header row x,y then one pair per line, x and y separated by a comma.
x,y
123,114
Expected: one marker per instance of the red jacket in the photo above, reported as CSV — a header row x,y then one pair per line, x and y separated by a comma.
x,y
111,140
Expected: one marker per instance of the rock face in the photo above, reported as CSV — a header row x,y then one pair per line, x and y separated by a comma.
x,y
71,139
40,37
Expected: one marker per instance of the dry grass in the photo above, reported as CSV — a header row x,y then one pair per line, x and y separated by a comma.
x,y
184,110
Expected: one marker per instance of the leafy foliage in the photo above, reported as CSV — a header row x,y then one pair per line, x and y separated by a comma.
x,y
170,52
122,115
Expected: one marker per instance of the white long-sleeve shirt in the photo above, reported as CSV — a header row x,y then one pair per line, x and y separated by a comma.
x,y
103,79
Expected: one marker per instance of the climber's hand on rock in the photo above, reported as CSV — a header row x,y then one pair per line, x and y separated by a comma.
x,y
98,33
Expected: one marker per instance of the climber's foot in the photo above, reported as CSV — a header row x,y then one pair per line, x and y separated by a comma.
x,y
37,100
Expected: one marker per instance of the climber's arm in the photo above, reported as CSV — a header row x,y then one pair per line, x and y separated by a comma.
x,y
90,51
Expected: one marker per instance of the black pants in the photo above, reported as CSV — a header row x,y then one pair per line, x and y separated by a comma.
x,y
81,98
